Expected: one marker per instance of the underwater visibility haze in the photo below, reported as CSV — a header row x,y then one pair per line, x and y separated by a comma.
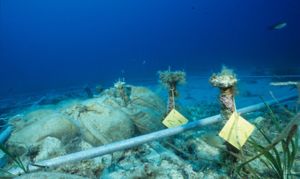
x,y
52,44
85,84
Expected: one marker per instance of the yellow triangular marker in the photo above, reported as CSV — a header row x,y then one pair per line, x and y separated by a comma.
x,y
236,130
174,119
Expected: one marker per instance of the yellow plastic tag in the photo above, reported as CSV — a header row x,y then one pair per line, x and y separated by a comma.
x,y
174,119
236,131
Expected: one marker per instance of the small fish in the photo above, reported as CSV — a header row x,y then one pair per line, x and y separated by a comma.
x,y
278,26
213,140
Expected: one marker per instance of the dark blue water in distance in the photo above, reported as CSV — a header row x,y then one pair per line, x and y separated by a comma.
x,y
49,44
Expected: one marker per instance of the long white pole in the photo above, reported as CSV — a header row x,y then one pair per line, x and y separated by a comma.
x,y
5,134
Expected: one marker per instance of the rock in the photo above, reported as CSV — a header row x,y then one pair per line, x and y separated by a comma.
x,y
147,120
48,148
22,120
212,174
203,150
100,116
83,145
149,161
89,168
147,109
46,132
101,120
144,97
259,121
37,114
44,124
102,124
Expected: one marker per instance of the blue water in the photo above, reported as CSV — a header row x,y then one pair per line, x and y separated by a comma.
x,y
52,51
55,44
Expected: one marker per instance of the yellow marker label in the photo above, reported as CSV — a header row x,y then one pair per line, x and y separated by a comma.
x,y
174,119
236,130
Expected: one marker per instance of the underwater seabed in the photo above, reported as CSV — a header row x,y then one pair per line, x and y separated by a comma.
x,y
72,123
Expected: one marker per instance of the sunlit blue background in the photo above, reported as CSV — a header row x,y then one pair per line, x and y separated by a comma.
x,y
48,44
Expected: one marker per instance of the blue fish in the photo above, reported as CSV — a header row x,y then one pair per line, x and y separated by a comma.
x,y
278,26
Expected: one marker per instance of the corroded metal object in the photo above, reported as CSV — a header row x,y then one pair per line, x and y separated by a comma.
x,y
226,81
122,91
170,79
